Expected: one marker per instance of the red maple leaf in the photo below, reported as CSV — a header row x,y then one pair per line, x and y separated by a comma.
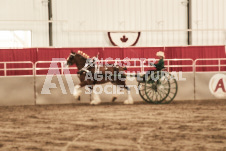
x,y
124,38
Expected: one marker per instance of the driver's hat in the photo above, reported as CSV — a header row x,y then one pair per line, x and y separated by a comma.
x,y
160,53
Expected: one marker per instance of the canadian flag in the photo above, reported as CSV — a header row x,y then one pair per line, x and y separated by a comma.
x,y
124,39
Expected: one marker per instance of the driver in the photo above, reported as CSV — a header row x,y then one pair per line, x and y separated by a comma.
x,y
160,64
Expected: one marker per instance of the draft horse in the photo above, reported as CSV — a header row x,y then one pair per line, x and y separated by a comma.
x,y
80,60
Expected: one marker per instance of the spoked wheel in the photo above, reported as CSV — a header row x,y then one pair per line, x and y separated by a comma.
x,y
173,89
157,88
141,88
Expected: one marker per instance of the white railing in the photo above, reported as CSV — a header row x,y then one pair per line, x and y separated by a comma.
x,y
116,62
5,68
62,66
142,65
34,67
121,61
219,64
168,66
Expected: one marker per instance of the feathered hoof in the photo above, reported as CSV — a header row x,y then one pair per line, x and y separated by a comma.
x,y
128,102
95,102
77,94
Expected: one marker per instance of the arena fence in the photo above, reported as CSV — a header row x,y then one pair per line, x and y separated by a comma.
x,y
207,84
27,89
17,67
19,89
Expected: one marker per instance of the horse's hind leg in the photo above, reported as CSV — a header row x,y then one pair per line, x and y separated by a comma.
x,y
115,96
129,99
113,99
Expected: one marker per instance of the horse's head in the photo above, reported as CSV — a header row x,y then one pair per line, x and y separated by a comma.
x,y
77,59
71,59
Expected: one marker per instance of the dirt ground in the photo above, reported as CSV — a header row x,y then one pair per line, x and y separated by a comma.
x,y
181,125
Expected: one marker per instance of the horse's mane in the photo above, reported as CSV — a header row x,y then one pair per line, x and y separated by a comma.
x,y
82,54
80,58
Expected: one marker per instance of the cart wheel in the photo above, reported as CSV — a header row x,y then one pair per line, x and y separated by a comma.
x,y
141,88
173,89
157,87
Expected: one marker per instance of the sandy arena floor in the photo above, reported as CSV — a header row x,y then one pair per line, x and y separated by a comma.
x,y
181,125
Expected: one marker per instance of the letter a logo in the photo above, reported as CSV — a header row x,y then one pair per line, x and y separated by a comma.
x,y
217,85
220,84
54,70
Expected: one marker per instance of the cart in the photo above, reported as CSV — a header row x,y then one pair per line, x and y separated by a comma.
x,y
160,87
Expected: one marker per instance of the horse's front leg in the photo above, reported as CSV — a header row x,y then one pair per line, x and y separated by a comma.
x,y
77,90
96,98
